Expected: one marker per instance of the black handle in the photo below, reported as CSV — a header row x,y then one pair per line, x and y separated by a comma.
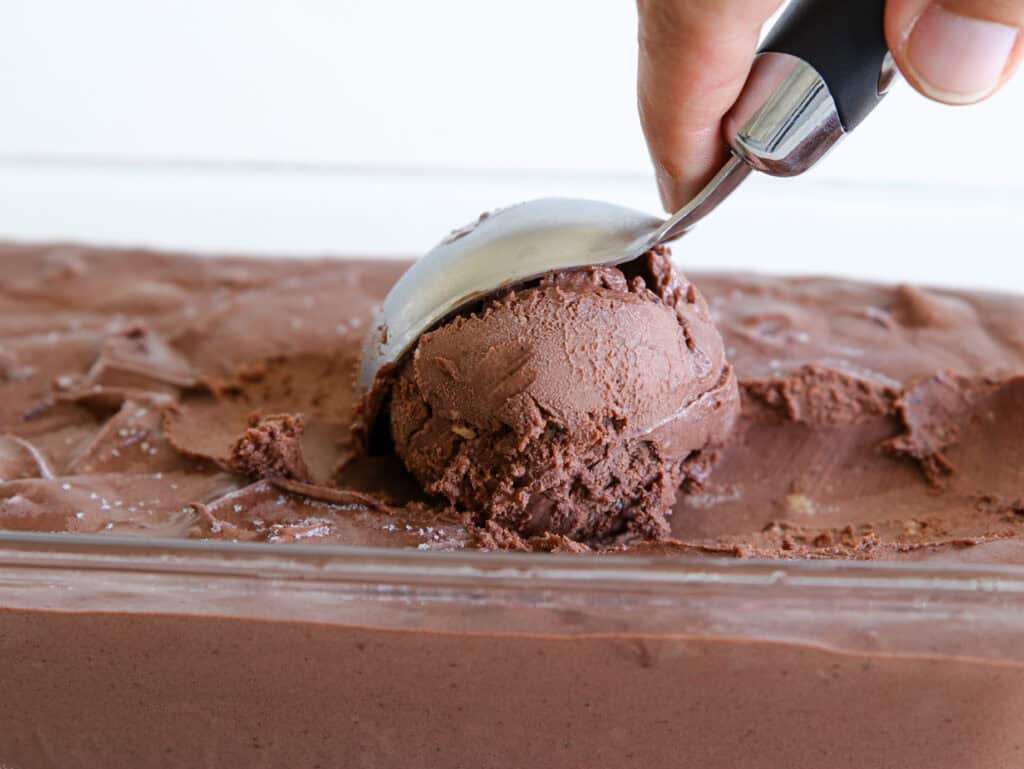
x,y
844,40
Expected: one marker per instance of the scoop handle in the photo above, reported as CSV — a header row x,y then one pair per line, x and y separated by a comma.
x,y
844,40
822,69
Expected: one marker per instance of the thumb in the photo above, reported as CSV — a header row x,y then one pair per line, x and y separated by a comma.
x,y
956,51
695,56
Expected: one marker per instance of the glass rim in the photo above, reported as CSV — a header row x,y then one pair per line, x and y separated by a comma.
x,y
69,551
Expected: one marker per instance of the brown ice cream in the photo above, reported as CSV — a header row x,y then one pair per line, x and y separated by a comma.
x,y
212,399
576,407
209,399
156,689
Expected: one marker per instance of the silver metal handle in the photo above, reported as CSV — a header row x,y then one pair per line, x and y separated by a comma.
x,y
785,120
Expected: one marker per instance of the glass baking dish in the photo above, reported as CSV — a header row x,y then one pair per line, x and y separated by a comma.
x,y
118,652
121,653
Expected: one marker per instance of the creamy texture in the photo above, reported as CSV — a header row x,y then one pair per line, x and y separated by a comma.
x,y
136,690
208,399
213,398
575,408
878,423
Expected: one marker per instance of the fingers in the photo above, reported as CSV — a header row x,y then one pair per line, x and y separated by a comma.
x,y
695,56
694,59
956,51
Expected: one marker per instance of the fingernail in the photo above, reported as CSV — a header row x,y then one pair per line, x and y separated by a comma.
x,y
958,59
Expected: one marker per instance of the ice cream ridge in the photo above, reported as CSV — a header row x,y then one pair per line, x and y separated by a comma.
x,y
600,410
576,407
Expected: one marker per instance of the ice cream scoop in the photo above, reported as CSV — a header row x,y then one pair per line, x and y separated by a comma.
x,y
820,71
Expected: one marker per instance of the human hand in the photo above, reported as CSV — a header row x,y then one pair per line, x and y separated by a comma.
x,y
695,56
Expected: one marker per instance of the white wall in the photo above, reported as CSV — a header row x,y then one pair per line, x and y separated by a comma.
x,y
538,84
541,91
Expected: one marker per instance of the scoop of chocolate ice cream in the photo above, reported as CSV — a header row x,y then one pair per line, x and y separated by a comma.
x,y
577,406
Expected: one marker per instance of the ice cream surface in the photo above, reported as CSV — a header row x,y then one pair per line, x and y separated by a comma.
x,y
576,407
212,398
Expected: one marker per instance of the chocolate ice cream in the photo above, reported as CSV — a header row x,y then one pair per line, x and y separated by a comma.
x,y
209,399
576,407
213,398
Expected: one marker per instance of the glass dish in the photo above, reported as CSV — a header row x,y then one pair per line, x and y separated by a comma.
x,y
118,652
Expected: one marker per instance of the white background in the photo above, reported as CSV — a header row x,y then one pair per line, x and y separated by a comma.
x,y
312,126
